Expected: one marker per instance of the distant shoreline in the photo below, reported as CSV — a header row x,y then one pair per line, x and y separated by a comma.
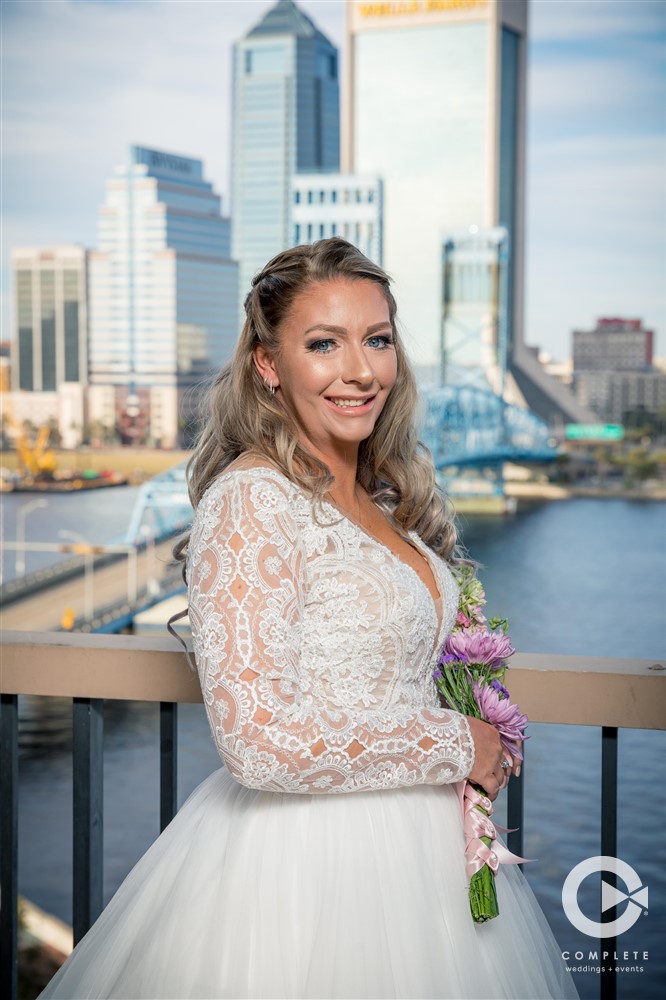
x,y
555,491
142,463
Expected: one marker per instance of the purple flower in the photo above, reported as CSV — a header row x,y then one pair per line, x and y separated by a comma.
x,y
499,687
483,648
447,658
503,715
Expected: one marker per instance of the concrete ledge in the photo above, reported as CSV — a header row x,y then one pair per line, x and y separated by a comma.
x,y
571,690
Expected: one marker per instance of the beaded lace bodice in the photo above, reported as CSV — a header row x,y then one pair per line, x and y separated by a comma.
x,y
315,645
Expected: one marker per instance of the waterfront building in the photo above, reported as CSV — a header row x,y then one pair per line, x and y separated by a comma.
x,y
50,326
614,345
347,205
615,395
64,412
285,121
436,107
163,296
612,369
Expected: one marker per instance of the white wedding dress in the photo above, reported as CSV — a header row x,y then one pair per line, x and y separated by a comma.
x,y
326,859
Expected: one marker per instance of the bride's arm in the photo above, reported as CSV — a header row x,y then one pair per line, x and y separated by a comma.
x,y
246,575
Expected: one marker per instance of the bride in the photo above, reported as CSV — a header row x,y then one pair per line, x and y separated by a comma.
x,y
327,858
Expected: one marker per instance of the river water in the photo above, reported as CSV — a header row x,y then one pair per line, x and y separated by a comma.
x,y
582,577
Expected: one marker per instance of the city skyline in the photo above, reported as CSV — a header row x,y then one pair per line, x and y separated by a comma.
x,y
134,71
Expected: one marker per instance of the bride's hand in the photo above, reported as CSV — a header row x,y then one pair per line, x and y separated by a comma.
x,y
488,756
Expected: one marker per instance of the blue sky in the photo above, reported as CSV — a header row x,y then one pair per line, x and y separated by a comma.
x,y
82,79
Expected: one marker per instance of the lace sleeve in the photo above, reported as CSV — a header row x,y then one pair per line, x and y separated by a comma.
x,y
247,580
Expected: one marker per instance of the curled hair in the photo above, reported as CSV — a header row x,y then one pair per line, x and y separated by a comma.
x,y
244,418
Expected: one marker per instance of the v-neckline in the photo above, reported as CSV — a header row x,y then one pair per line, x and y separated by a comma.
x,y
435,601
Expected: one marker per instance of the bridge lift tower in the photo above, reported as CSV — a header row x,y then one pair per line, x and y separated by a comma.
x,y
470,426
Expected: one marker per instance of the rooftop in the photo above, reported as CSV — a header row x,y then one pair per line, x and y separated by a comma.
x,y
285,18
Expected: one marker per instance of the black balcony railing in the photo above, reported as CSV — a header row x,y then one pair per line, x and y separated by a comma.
x,y
152,670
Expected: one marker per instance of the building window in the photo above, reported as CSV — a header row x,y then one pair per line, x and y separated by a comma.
x,y
334,229
297,233
310,197
24,311
322,197
371,195
248,61
321,231
71,325
47,289
345,197
309,232
334,196
333,66
297,197
359,196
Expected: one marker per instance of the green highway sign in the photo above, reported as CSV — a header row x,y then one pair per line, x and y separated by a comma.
x,y
594,432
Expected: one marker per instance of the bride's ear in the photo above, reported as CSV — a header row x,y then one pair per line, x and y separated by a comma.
x,y
265,366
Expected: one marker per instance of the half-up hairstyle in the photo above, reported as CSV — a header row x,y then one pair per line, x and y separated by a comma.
x,y
245,418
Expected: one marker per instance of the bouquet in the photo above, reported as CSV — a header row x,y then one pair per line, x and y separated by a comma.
x,y
470,679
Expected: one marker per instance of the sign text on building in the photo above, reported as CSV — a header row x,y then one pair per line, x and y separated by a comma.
x,y
391,8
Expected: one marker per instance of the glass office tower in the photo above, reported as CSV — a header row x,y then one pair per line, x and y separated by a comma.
x,y
163,295
285,121
436,106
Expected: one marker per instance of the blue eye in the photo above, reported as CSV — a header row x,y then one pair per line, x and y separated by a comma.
x,y
381,341
321,346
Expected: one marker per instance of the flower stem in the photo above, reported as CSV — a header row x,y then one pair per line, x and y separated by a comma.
x,y
482,890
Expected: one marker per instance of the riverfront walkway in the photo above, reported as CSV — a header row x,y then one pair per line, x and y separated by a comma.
x,y
105,587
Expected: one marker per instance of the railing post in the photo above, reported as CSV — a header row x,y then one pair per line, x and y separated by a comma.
x,y
514,811
9,846
608,980
168,762
88,732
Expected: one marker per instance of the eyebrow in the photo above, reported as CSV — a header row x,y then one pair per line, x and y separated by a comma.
x,y
341,331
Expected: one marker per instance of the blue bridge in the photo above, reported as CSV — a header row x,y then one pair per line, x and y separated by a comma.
x,y
467,426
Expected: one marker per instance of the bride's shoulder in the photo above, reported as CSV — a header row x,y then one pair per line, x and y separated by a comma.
x,y
252,475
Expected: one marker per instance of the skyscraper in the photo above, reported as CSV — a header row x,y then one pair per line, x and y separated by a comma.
x,y
285,121
436,107
50,325
163,295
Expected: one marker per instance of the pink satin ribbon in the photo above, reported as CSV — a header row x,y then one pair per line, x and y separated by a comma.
x,y
477,825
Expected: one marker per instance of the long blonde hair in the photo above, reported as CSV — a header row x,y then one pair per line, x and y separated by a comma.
x,y
245,418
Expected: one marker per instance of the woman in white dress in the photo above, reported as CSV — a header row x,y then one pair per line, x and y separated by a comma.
x,y
327,858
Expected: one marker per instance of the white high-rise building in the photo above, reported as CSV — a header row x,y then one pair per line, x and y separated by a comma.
x,y
346,205
435,106
163,296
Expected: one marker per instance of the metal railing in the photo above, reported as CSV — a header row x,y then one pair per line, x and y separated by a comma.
x,y
590,691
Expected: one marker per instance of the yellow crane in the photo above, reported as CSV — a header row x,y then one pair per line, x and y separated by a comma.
x,y
35,457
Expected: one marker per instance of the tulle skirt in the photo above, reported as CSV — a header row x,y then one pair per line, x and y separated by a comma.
x,y
263,895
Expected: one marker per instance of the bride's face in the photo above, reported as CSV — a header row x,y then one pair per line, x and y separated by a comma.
x,y
336,363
